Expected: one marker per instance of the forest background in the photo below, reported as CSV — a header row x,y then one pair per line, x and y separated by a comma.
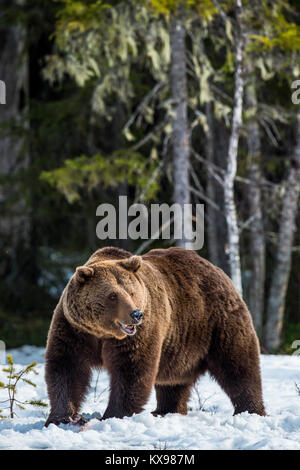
x,y
163,101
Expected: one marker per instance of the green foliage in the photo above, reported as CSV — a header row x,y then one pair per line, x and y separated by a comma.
x,y
37,403
284,35
204,8
80,15
103,45
87,173
13,378
106,47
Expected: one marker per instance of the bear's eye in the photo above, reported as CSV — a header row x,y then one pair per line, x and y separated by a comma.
x,y
113,296
132,294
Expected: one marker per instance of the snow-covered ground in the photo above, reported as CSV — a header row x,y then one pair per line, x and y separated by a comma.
x,y
208,425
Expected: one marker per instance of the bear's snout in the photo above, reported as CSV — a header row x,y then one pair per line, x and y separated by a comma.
x,y
137,315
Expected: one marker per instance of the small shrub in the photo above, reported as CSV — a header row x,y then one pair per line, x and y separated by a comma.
x,y
14,378
160,445
201,402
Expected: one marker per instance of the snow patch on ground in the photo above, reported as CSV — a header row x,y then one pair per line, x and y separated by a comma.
x,y
208,425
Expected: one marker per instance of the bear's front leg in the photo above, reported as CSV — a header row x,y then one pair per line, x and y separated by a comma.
x,y
67,383
132,375
69,357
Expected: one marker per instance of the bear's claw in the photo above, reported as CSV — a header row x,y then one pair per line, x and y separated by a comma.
x,y
74,421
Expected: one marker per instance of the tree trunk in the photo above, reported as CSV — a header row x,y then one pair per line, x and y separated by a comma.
x,y
230,209
14,221
220,135
180,132
281,271
257,238
212,229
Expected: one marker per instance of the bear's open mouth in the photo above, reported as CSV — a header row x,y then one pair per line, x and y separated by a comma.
x,y
128,329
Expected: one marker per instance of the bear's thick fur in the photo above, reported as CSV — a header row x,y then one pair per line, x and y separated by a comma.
x,y
193,321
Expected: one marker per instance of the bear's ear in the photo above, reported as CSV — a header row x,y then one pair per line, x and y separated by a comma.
x,y
132,264
83,273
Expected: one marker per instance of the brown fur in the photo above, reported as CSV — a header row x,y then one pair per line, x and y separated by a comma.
x,y
194,321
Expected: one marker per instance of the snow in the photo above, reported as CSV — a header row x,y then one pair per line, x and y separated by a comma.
x,y
208,425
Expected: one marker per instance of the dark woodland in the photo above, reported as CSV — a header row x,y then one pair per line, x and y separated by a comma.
x,y
170,101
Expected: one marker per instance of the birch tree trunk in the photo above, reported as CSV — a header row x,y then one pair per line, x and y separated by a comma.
x,y
180,131
230,208
257,238
14,226
281,271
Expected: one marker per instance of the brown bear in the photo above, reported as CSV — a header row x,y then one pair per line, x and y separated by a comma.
x,y
161,319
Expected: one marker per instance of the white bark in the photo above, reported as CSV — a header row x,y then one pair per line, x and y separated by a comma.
x,y
230,208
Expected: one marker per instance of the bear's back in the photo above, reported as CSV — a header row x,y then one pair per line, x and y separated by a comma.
x,y
193,279
188,266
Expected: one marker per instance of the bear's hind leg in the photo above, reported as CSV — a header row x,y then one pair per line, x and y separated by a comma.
x,y
243,390
172,399
238,373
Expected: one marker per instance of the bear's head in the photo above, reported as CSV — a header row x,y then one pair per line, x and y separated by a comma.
x,y
106,298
